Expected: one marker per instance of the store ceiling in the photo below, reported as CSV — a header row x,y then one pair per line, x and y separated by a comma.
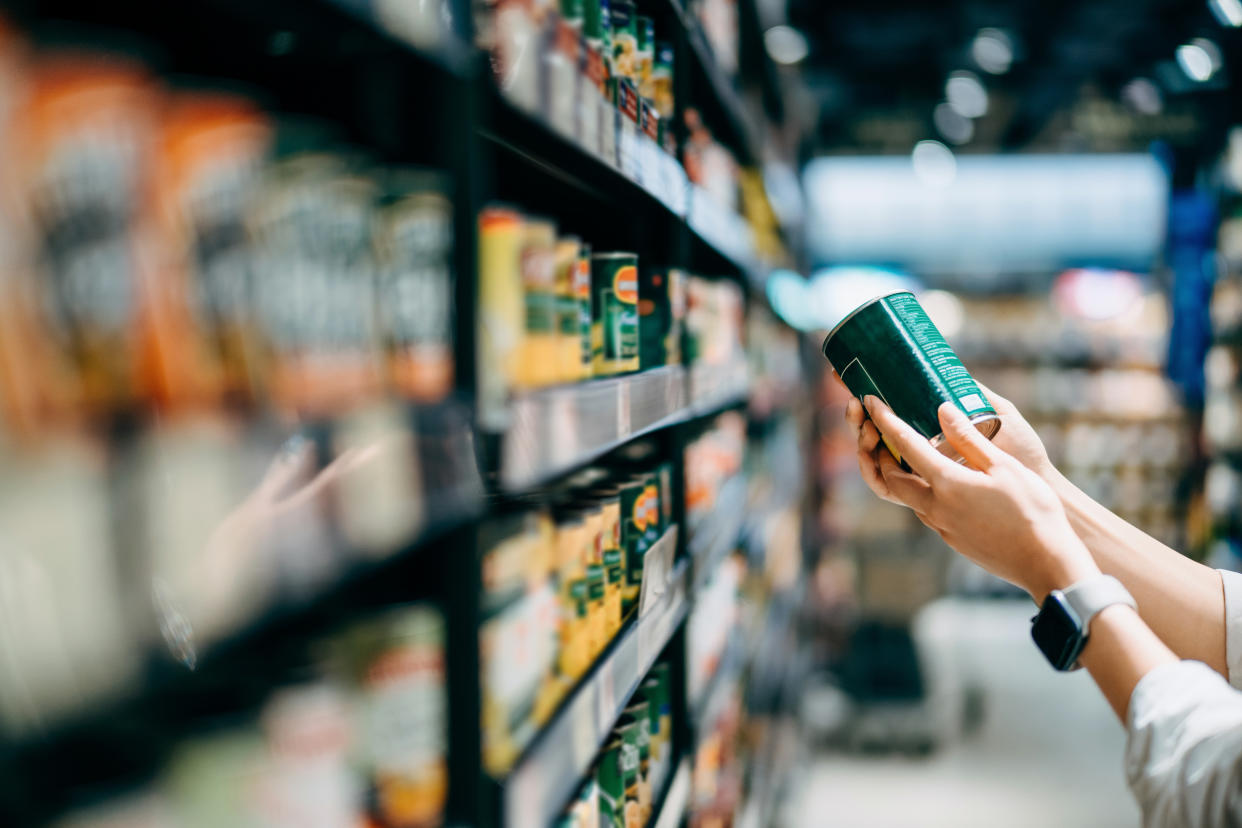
x,y
878,70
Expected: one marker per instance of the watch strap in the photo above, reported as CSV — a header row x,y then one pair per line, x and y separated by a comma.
x,y
1091,596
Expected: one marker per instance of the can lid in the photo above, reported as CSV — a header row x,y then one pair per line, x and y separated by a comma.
x,y
850,315
615,254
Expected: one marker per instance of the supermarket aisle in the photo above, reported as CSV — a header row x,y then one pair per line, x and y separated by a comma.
x,y
1049,751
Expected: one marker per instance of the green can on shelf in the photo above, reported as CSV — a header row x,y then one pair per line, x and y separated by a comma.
x,y
890,348
614,312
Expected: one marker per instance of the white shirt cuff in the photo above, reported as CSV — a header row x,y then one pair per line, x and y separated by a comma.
x,y
1231,582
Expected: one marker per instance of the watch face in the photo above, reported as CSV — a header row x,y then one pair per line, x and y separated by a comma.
x,y
1057,632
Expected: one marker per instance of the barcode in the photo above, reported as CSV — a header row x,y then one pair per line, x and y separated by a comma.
x,y
971,401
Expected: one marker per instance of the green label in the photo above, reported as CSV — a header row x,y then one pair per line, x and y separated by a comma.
x,y
567,315
540,312
930,341
584,329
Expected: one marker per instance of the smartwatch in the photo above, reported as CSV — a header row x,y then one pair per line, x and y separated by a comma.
x,y
1060,629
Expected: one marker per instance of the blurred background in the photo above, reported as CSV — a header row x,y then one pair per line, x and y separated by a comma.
x,y
412,412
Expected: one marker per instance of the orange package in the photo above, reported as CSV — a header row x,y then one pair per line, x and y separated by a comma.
x,y
81,136
199,339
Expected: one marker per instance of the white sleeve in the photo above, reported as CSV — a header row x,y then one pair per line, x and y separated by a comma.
x,y
1231,582
1184,748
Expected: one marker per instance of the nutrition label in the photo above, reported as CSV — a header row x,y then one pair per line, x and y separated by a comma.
x,y
939,355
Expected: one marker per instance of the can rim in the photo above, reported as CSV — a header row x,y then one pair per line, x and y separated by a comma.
x,y
976,420
613,254
837,327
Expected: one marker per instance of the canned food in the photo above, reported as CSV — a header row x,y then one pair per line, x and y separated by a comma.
x,y
640,711
500,324
414,301
614,313
538,366
568,313
582,297
890,348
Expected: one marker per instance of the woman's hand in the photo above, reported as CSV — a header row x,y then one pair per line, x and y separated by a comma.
x,y
1000,514
1017,438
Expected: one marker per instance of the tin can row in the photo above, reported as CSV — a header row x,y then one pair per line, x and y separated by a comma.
x,y
597,67
561,575
633,764
553,311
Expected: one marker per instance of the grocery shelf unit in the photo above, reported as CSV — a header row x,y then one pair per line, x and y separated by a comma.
x,y
440,108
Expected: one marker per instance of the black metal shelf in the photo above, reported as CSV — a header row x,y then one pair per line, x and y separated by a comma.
x,y
676,798
535,792
656,192
160,706
722,106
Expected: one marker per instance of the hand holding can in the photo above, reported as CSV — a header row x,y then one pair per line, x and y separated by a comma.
x,y
889,347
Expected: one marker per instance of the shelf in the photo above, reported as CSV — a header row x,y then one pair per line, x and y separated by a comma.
x,y
643,177
673,811
536,791
448,53
716,387
650,179
555,430
723,105
716,535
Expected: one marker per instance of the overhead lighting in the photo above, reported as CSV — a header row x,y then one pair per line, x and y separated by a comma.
x,y
1143,96
934,164
955,127
966,94
993,50
1199,59
1228,12
786,45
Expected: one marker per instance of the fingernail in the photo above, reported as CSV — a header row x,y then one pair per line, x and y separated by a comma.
x,y
869,401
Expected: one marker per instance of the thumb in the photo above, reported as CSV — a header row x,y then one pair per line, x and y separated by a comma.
x,y
963,436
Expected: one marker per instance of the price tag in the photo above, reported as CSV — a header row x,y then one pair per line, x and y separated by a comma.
x,y
624,413
607,695
584,737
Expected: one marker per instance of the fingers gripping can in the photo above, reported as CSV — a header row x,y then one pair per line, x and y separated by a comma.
x,y
890,348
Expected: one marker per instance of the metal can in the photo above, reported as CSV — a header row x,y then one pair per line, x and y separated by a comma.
x,y
655,314
614,313
633,524
568,312
640,709
890,348
538,366
582,296
500,320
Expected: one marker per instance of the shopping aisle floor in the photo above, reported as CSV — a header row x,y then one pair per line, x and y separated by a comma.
x,y
1048,752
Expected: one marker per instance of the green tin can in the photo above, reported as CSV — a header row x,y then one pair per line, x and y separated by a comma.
x,y
632,542
611,779
614,313
639,709
890,348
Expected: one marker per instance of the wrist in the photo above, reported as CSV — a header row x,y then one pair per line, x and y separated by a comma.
x,y
1061,568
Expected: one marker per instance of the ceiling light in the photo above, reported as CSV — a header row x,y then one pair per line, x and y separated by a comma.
x,y
993,50
1228,12
786,45
934,164
1143,96
955,127
1199,59
966,94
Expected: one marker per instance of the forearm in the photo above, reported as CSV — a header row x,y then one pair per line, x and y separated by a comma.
x,y
1182,601
1120,650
